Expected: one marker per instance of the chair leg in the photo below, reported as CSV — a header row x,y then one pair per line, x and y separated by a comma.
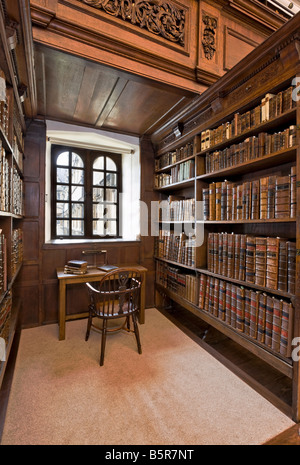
x,y
103,340
89,324
136,332
128,323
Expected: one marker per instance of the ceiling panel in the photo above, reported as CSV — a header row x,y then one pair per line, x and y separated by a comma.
x,y
74,90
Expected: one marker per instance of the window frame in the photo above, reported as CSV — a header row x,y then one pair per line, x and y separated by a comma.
x,y
88,156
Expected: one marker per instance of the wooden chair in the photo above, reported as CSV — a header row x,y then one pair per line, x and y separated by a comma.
x,y
115,296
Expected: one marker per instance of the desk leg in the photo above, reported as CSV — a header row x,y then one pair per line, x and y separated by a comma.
x,y
141,314
62,310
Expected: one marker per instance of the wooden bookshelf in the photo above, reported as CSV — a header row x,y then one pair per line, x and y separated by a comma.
x,y
243,97
12,128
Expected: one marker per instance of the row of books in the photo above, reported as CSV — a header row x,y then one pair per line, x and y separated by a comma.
x,y
266,261
271,106
250,149
5,316
177,208
184,285
17,194
5,176
11,186
263,317
16,249
265,198
178,248
175,156
3,104
3,263
180,172
18,154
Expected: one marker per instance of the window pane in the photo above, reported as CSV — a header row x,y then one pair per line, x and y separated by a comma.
x,y
62,210
111,227
110,164
62,175
77,193
77,160
98,178
98,194
111,195
62,192
98,210
111,211
63,159
99,163
111,179
77,228
62,227
98,227
77,176
77,210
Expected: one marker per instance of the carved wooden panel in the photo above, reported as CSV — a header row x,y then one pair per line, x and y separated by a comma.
x,y
163,18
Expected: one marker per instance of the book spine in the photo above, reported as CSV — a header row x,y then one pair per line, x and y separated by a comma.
x,y
250,259
286,329
269,321
212,201
282,266
291,266
242,266
222,300
230,256
261,319
240,308
260,260
247,312
254,298
282,197
272,262
233,306
277,314
228,303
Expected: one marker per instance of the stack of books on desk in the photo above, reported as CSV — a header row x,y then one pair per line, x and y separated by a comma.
x,y
76,267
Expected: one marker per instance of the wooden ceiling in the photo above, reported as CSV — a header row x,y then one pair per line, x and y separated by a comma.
x,y
74,90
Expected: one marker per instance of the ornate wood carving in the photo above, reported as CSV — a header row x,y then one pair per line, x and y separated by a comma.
x,y
157,16
209,36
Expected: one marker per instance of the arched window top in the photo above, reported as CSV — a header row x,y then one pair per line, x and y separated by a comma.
x,y
76,160
110,164
63,159
99,163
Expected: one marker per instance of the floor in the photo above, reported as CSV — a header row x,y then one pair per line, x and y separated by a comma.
x,y
244,364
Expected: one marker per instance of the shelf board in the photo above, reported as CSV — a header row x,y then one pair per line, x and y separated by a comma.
x,y
285,117
177,185
175,263
287,295
267,161
276,360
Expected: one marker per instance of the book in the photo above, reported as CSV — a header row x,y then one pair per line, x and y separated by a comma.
x,y
222,300
282,197
261,317
277,315
291,267
247,301
272,262
250,259
77,263
269,321
260,260
254,299
293,203
107,268
240,308
286,330
282,266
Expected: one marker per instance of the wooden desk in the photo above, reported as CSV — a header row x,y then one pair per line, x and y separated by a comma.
x,y
93,274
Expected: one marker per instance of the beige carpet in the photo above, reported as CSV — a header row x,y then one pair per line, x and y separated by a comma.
x,y
175,393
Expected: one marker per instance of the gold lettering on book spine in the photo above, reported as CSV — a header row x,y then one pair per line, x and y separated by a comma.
x,y
157,16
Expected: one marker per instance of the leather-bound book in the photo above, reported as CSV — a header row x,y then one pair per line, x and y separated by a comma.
x,y
282,197
260,260
261,318
269,321
286,331
242,267
254,299
237,253
222,300
240,308
272,262
291,267
212,201
263,198
255,200
250,259
277,314
282,266
247,312
230,256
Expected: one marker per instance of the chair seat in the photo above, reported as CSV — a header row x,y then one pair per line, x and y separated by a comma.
x,y
113,310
